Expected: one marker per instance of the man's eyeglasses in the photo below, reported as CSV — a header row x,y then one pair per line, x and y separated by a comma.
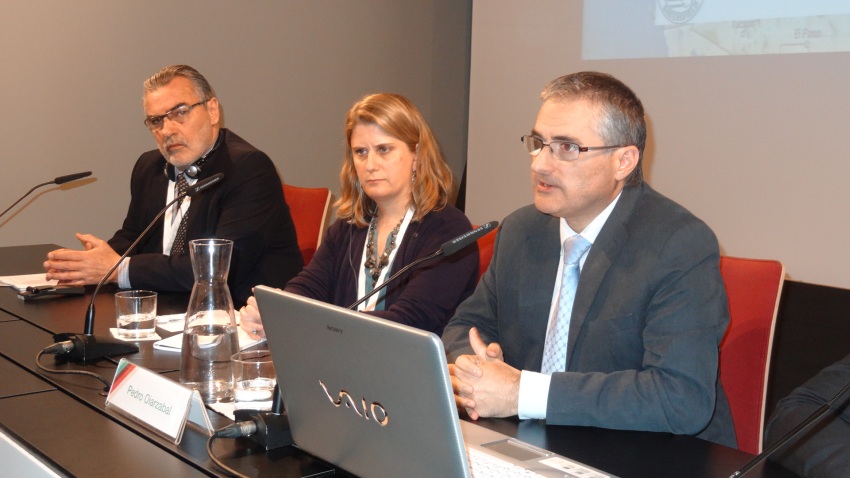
x,y
178,114
563,150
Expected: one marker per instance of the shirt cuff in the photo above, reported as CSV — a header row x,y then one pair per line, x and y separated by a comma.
x,y
533,395
124,274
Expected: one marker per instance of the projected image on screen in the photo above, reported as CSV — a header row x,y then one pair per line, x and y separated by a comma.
x,y
615,29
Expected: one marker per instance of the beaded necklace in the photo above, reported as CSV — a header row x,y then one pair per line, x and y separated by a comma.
x,y
373,264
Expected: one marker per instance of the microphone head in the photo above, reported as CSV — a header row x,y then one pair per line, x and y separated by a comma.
x,y
71,177
204,184
450,247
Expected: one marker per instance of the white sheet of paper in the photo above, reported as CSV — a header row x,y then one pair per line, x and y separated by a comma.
x,y
174,323
21,282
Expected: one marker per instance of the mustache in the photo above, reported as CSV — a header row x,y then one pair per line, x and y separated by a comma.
x,y
542,178
171,141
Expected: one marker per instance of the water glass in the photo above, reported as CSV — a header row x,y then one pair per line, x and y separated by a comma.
x,y
253,379
135,311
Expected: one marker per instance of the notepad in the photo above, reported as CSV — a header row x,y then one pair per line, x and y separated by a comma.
x,y
21,282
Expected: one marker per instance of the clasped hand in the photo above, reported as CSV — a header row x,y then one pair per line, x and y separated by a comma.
x,y
76,268
484,385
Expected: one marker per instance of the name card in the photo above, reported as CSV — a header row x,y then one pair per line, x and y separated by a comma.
x,y
156,401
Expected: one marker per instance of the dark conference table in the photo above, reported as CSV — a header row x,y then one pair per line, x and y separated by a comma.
x,y
63,420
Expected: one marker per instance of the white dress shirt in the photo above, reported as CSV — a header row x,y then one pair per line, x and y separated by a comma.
x,y
534,386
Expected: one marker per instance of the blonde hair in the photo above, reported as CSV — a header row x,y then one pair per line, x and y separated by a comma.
x,y
399,118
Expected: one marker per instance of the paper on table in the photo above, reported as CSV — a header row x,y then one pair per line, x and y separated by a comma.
x,y
175,322
21,282
228,409
171,322
175,342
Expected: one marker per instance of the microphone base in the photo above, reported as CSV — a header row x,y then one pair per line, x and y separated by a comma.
x,y
272,429
88,348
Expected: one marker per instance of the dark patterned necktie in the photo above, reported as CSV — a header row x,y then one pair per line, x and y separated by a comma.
x,y
179,245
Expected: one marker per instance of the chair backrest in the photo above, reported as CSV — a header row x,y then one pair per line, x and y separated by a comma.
x,y
753,287
309,209
485,251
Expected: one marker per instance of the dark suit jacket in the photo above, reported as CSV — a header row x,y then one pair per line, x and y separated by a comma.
x,y
649,313
247,207
824,450
425,296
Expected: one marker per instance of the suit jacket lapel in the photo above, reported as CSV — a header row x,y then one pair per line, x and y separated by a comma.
x,y
156,188
537,273
604,251
213,165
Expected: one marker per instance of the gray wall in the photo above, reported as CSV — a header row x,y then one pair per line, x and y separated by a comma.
x,y
754,145
285,73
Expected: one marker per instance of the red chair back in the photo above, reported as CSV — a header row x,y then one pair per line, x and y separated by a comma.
x,y
485,251
753,287
308,208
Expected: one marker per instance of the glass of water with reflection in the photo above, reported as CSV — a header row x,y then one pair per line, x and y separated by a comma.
x,y
253,380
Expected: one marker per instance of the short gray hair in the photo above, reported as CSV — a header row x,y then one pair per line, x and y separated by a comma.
x,y
622,118
165,75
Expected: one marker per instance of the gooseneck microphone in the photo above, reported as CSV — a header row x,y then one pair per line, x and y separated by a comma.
x,y
59,180
71,177
88,347
808,422
448,248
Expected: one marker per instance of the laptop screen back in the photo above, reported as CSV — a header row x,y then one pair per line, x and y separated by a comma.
x,y
366,394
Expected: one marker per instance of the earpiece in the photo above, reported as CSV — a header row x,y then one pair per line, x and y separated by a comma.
x,y
192,172
195,168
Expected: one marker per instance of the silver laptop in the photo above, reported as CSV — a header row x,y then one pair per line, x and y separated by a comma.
x,y
374,397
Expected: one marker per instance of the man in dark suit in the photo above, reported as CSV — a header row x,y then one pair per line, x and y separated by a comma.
x,y
823,451
248,207
640,330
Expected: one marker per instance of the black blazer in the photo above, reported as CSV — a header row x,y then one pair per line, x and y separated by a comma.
x,y
247,207
824,450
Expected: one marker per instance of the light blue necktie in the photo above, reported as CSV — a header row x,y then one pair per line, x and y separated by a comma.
x,y
557,337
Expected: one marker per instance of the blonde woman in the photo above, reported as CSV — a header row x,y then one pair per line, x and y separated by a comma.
x,y
392,210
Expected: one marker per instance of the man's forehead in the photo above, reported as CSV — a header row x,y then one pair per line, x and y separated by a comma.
x,y
570,105
174,93
565,118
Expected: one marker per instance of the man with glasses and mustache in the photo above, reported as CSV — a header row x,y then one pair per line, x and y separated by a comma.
x,y
183,114
603,304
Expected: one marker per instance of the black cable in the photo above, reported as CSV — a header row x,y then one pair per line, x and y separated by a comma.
x,y
271,429
235,430
70,372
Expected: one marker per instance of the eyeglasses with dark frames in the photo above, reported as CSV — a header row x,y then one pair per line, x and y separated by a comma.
x,y
562,150
178,114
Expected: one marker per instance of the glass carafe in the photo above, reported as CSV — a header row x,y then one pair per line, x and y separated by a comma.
x,y
210,336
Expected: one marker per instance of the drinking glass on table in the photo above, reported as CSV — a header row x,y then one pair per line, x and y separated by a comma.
x,y
135,312
253,379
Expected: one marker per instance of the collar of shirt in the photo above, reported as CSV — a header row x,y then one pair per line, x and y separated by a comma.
x,y
590,232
